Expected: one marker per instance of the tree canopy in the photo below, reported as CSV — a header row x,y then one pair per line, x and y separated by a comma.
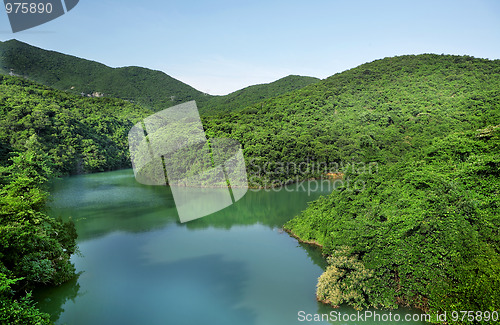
x,y
417,135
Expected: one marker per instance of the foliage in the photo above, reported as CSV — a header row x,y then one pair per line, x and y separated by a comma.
x,y
422,229
248,96
44,133
79,134
379,112
345,280
427,227
148,88
35,249
18,311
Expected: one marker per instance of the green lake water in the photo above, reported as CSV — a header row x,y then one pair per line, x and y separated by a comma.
x,y
139,265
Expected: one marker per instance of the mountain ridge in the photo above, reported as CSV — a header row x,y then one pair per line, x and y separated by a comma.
x,y
77,75
420,229
153,89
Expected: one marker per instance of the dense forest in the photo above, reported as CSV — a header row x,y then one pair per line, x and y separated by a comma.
x,y
148,88
240,99
45,133
379,112
153,89
79,134
423,231
420,229
417,135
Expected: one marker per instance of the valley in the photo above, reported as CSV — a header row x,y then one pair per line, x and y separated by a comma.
x,y
421,230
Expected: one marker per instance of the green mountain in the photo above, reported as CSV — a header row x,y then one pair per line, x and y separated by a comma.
x,y
254,94
79,134
415,218
152,89
378,112
45,133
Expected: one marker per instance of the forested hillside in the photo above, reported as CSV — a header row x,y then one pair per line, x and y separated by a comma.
x,y
423,231
149,88
417,219
248,96
378,112
418,135
79,134
45,133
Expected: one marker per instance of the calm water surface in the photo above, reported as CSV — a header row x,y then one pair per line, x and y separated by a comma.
x,y
139,265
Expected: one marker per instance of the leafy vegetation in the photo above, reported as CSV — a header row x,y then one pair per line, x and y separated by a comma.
x,y
34,248
243,98
428,229
45,133
152,89
424,230
79,134
421,228
18,311
416,138
148,88
379,112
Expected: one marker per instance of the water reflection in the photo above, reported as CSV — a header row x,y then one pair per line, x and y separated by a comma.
x,y
218,267
140,265
54,299
108,202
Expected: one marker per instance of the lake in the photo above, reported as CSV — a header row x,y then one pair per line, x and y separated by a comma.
x,y
138,264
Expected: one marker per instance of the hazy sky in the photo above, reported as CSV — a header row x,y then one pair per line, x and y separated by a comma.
x,y
223,45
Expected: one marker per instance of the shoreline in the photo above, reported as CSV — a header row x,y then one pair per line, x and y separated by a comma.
x,y
324,177
300,240
400,301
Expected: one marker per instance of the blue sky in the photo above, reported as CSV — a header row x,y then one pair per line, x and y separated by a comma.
x,y
220,46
